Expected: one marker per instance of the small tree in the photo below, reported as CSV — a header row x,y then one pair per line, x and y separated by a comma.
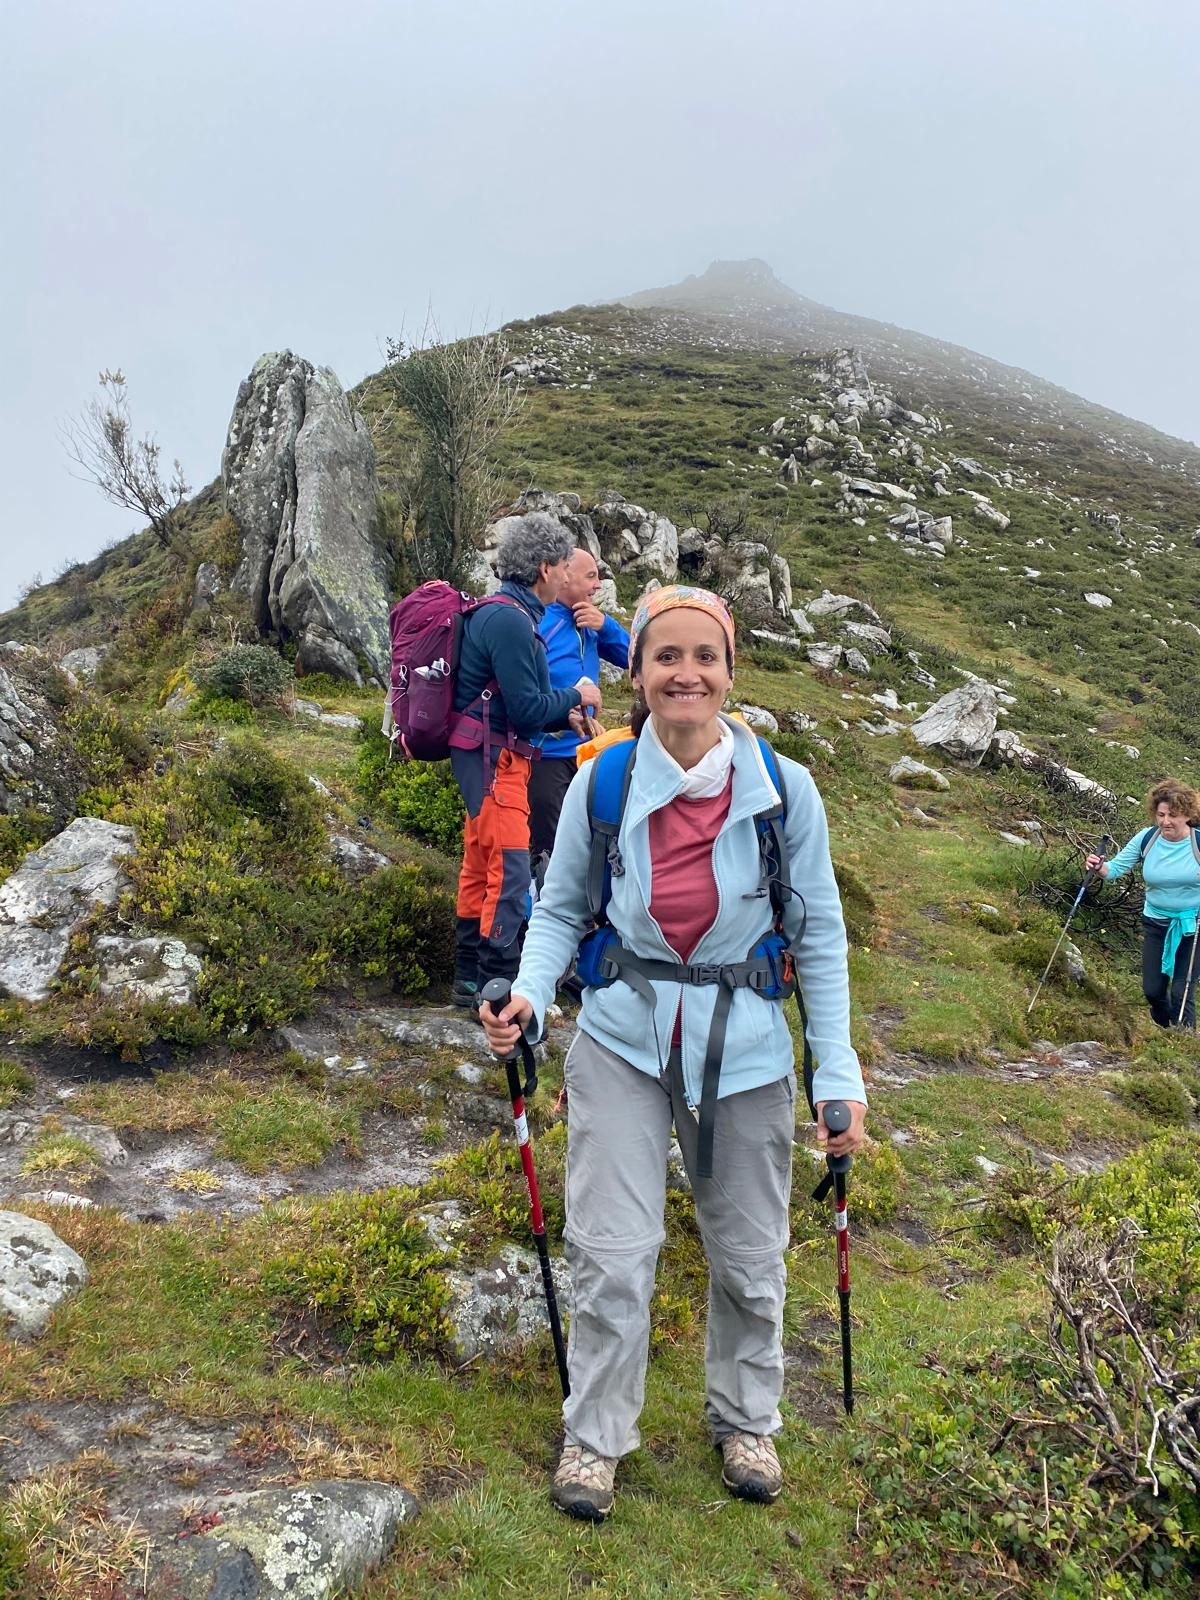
x,y
461,401
127,471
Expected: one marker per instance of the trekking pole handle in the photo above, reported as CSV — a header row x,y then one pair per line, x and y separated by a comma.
x,y
837,1120
497,993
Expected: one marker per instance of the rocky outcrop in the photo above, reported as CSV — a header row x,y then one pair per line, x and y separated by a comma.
x,y
37,1272
961,724
49,896
308,1542
38,770
299,479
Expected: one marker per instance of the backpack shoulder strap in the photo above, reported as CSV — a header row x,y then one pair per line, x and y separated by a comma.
x,y
1195,837
608,790
772,848
776,869
1148,839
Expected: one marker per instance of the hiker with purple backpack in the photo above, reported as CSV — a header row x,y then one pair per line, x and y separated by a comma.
x,y
503,702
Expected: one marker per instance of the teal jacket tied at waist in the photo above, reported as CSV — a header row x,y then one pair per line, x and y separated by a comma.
x,y
758,1047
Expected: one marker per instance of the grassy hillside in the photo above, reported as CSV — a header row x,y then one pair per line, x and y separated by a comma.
x,y
252,1270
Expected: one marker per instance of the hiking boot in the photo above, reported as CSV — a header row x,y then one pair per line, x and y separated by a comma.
x,y
583,1484
465,994
752,1470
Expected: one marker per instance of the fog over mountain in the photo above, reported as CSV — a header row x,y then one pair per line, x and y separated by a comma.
x,y
185,189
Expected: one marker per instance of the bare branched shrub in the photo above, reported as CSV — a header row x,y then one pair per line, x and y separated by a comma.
x,y
128,471
461,401
1137,1387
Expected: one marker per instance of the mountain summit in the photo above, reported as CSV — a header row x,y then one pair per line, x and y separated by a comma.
x,y
727,287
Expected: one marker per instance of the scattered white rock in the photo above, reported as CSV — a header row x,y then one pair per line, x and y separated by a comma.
x,y
916,775
37,1272
1100,601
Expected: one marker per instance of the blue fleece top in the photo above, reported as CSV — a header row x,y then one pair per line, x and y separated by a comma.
x,y
1170,873
498,641
573,653
758,1044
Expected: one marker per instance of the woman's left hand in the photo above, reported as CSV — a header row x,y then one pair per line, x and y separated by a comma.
x,y
842,1144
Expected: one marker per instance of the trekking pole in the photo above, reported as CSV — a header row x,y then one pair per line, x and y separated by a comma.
x,y
837,1120
1188,984
1105,838
496,993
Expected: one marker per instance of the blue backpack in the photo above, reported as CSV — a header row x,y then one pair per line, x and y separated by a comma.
x,y
768,969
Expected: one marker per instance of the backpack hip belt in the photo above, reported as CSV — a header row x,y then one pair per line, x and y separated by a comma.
x,y
768,975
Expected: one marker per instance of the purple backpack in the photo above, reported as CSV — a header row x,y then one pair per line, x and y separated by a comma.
x,y
426,628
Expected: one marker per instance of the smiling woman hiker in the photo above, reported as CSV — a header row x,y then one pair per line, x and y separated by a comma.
x,y
717,860
1169,854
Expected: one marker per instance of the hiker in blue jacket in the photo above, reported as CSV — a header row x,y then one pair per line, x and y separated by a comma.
x,y
501,682
578,636
1169,854
691,897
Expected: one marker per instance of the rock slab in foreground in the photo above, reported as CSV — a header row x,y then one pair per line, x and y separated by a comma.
x,y
37,1272
306,1543
50,893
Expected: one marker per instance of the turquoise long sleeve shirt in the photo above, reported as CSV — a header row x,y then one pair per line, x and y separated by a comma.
x,y
1171,874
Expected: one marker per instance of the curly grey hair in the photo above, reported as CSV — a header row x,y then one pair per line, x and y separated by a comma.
x,y
527,542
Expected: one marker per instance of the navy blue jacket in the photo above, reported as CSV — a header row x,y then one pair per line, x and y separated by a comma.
x,y
501,642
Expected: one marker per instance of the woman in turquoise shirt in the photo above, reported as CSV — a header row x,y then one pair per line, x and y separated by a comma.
x,y
1169,853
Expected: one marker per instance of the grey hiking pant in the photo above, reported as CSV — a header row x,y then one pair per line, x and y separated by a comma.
x,y
618,1132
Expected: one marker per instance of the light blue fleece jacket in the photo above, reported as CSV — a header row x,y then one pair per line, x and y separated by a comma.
x,y
758,1045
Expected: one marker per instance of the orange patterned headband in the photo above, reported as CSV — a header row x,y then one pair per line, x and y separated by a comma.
x,y
675,597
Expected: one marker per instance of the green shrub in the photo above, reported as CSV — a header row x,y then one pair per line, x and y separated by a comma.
x,y
234,855
21,832
771,659
1158,1095
220,708
420,797
401,926
250,672
369,1267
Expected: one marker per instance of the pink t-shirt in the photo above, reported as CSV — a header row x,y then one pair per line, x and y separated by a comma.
x,y
683,890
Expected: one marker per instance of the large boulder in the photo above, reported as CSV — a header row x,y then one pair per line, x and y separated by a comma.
x,y
299,478
37,1271
50,894
961,724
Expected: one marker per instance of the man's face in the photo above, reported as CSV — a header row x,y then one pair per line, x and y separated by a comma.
x,y
583,579
550,584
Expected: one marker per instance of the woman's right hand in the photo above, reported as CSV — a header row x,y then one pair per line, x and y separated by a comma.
x,y
1098,864
504,1029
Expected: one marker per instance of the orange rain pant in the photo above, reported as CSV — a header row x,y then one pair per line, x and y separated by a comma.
x,y
493,885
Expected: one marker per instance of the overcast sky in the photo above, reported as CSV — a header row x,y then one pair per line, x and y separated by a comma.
x,y
186,185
